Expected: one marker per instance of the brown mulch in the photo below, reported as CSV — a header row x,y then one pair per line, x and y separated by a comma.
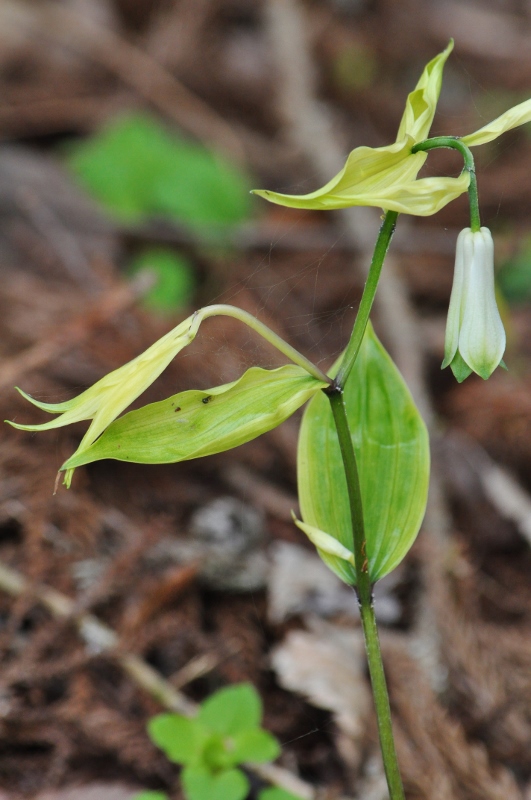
x,y
115,543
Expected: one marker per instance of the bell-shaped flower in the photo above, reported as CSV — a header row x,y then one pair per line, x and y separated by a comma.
x,y
107,398
386,177
475,337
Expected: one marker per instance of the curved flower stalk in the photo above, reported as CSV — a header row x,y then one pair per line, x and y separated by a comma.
x,y
386,177
475,336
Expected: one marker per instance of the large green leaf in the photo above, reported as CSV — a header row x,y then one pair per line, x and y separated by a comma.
x,y
392,451
200,423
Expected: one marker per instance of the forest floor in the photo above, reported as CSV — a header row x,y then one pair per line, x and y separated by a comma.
x,y
145,586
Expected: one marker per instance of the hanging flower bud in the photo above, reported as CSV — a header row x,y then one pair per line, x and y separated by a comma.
x,y
475,337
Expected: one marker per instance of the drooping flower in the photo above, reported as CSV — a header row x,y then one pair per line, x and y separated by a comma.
x,y
475,337
107,398
386,177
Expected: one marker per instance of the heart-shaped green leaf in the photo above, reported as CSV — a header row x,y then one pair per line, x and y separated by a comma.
x,y
257,746
182,739
232,710
200,784
392,451
198,423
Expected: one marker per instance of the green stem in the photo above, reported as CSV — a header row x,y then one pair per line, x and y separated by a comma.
x,y
456,144
365,597
363,581
380,250
270,336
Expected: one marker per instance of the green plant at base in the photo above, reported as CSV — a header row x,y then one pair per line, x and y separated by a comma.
x,y
225,733
363,463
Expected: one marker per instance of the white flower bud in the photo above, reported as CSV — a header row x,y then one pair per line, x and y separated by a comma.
x,y
475,337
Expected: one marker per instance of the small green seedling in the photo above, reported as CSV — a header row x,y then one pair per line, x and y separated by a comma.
x,y
225,734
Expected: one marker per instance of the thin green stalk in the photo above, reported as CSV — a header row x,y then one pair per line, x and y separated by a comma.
x,y
380,250
270,336
365,597
456,144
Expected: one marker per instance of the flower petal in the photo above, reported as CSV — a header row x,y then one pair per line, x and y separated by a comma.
x,y
384,178
367,174
460,368
482,335
512,118
425,196
107,398
75,410
422,101
463,255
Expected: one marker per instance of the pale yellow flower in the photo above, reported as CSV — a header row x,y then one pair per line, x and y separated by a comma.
x,y
386,177
107,398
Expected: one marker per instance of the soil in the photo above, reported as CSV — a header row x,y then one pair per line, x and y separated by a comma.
x,y
127,543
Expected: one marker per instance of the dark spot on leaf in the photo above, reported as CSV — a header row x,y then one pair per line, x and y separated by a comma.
x,y
178,408
206,399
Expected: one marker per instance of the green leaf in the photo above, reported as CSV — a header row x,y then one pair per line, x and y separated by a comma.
x,y
392,452
274,793
232,710
175,282
198,423
136,168
181,739
257,746
152,796
200,784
